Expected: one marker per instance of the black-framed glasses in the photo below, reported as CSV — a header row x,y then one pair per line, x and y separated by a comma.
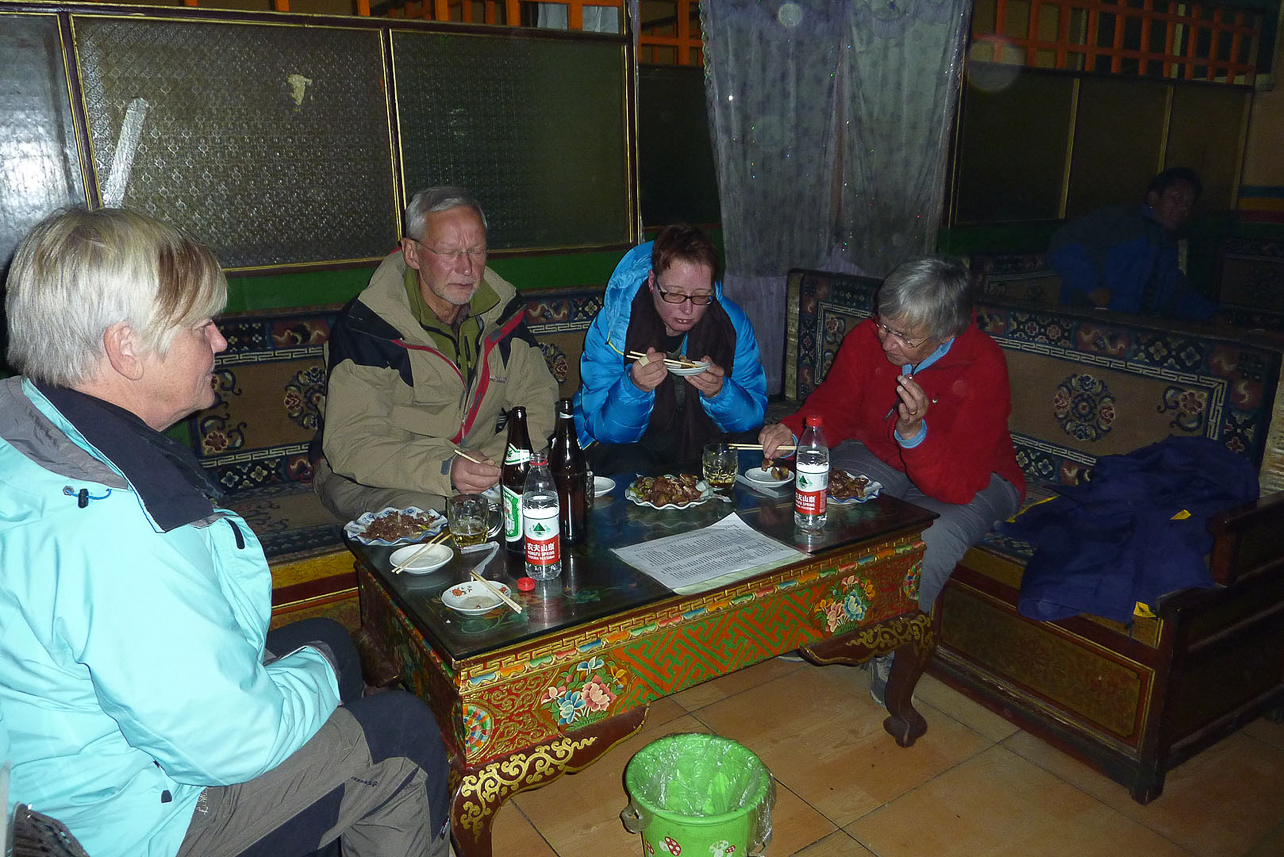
x,y
476,255
680,298
897,335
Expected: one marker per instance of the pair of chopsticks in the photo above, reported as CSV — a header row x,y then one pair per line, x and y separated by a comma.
x,y
463,454
437,539
498,593
674,364
759,446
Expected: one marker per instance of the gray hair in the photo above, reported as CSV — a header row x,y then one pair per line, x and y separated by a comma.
x,y
431,200
79,272
932,291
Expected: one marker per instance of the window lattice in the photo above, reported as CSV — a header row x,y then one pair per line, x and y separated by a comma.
x,y
1150,38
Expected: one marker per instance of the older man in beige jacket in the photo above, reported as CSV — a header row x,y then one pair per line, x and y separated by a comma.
x,y
428,360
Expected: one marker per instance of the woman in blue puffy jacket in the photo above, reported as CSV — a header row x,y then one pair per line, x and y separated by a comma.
x,y
639,412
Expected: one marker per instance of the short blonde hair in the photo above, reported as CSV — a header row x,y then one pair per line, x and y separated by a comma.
x,y
78,272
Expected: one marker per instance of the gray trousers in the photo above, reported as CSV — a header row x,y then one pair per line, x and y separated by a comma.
x,y
949,536
350,500
374,777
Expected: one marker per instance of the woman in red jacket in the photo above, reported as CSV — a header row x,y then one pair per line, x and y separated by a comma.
x,y
918,400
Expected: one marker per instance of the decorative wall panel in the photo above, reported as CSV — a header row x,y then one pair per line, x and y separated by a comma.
x,y
535,127
39,164
269,143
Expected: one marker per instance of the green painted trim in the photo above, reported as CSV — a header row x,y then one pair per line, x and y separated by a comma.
x,y
1003,238
317,288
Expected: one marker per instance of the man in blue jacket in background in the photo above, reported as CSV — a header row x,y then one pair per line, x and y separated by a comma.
x,y
1125,258
147,706
641,412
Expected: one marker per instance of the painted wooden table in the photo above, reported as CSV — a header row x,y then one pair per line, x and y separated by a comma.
x,y
524,698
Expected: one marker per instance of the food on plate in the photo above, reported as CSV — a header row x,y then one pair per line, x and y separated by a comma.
x,y
844,486
397,525
663,490
778,471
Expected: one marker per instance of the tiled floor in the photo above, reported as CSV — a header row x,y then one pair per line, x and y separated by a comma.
x,y
973,785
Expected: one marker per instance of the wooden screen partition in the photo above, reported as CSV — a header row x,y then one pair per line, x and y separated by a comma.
x,y
39,160
289,142
268,142
1012,150
1044,145
540,136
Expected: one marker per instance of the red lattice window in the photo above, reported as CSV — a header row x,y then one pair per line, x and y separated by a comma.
x,y
1151,38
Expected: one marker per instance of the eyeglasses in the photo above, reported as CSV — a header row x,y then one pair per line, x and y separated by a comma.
x,y
477,255
680,298
897,335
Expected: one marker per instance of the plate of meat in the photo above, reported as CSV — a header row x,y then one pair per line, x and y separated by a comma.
x,y
395,526
669,491
847,487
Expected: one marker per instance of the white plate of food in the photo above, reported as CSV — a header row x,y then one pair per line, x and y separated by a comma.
x,y
669,491
472,598
772,477
689,367
432,558
845,487
395,526
603,485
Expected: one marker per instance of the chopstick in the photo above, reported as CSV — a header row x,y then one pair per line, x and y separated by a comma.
x,y
759,446
498,593
435,540
463,454
681,364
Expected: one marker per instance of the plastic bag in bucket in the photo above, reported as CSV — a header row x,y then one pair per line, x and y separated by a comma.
x,y
696,795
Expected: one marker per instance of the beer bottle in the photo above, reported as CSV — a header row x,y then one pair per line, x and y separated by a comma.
x,y
570,472
512,478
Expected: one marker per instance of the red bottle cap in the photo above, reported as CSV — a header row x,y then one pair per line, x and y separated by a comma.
x,y
526,584
814,421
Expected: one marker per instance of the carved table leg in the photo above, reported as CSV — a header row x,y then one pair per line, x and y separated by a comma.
x,y
483,788
910,636
903,722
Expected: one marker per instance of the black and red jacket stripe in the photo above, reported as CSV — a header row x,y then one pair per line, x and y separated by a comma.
x,y
366,338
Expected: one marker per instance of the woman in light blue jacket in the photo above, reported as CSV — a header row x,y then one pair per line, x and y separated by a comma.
x,y
144,707
664,299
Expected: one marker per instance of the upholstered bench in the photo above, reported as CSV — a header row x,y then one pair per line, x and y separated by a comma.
x,y
1133,700
270,391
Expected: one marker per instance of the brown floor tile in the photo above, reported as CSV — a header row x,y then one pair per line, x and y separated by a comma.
x,y
998,803
697,697
579,814
1220,803
662,711
513,833
1265,730
836,845
794,824
822,737
971,714
1271,845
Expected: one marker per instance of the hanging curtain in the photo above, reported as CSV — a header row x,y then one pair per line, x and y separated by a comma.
x,y
830,121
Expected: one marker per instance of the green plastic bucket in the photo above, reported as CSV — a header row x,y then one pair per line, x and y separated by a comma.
x,y
696,795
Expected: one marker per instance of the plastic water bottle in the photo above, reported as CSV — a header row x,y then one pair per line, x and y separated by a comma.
x,y
811,487
540,525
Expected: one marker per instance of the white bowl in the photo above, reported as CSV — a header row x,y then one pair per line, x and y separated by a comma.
x,y
433,558
602,485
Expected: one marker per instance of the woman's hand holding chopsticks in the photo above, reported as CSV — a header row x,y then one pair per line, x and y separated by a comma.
x,y
648,370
